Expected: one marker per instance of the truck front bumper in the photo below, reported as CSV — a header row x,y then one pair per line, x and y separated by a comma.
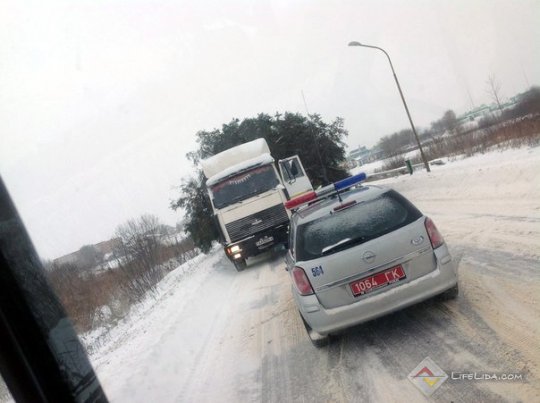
x,y
258,243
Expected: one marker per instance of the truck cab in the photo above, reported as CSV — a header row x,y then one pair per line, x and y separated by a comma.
x,y
248,197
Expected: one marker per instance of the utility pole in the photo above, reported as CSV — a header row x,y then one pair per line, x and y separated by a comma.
x,y
424,159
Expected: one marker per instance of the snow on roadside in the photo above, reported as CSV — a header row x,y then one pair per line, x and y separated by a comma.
x,y
100,340
509,173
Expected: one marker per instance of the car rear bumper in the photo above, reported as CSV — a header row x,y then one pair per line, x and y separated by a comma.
x,y
326,321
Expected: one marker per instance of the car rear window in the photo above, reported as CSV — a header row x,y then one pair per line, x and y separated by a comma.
x,y
354,225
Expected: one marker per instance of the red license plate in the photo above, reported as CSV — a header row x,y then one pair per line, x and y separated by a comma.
x,y
379,280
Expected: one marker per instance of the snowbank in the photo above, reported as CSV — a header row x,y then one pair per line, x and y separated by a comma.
x,y
103,338
498,191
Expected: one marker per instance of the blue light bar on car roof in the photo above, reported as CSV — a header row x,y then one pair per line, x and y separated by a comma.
x,y
325,191
348,182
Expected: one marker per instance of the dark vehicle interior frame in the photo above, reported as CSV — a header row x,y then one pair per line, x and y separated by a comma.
x,y
31,364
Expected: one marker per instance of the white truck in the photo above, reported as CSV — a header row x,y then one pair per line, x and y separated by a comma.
x,y
248,197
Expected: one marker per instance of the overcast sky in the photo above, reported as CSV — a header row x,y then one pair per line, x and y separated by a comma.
x,y
100,100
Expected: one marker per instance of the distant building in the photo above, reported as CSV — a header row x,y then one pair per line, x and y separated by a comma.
x,y
109,246
358,153
472,116
105,248
70,258
362,155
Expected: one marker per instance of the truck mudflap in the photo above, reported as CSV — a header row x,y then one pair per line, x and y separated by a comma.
x,y
258,243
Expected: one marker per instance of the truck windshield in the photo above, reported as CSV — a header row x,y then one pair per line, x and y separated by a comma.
x,y
244,185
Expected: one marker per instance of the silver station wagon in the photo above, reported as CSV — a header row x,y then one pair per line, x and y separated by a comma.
x,y
357,253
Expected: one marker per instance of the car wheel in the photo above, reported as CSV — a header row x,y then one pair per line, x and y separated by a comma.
x,y
240,264
318,340
452,293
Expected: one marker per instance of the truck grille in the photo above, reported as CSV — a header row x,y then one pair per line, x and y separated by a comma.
x,y
257,222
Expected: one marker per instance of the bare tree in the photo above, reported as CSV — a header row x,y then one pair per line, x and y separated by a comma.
x,y
494,90
140,248
140,239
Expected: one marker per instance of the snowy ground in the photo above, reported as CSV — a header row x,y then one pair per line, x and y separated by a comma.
x,y
217,335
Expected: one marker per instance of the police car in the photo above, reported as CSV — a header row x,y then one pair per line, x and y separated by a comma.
x,y
357,252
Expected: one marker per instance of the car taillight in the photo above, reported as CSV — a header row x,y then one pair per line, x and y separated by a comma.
x,y
434,235
301,281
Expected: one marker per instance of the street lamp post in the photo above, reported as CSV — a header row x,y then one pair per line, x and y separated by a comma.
x,y
426,164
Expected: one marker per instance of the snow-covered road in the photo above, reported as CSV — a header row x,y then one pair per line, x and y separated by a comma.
x,y
218,335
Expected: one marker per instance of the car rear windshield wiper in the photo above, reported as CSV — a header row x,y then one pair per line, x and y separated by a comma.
x,y
341,244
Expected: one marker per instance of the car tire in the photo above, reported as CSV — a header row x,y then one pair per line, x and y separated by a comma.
x,y
318,340
240,264
452,293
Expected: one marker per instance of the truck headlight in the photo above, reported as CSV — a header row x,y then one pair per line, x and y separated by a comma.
x,y
234,249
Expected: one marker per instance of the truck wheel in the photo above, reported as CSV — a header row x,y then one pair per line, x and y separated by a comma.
x,y
240,264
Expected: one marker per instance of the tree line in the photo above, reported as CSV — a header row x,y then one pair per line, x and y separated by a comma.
x,y
396,143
